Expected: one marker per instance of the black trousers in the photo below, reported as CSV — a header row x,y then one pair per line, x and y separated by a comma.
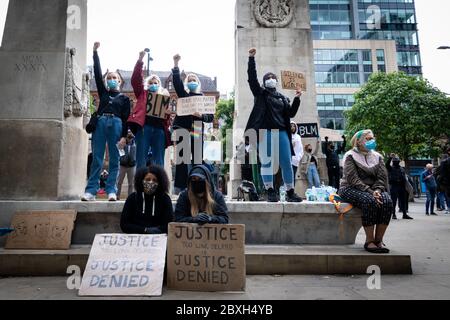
x,y
334,175
398,192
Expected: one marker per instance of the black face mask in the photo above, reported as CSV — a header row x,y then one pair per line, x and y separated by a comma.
x,y
309,150
198,186
396,163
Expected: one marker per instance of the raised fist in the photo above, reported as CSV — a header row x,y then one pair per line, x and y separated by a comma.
x,y
141,55
176,58
96,46
252,52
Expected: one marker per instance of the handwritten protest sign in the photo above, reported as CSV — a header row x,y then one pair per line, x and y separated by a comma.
x,y
200,104
212,151
157,104
206,258
293,80
125,265
41,230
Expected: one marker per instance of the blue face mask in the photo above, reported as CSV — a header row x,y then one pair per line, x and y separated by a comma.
x,y
192,86
371,145
112,84
153,88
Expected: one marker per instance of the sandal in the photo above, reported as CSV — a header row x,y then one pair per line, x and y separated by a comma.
x,y
382,247
371,250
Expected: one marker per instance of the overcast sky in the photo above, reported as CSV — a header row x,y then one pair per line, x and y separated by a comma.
x,y
202,31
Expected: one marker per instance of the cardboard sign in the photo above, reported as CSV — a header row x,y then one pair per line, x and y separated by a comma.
x,y
212,151
308,130
200,104
206,258
41,230
157,104
125,265
293,80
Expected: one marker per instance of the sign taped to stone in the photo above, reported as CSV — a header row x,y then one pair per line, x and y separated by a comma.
x,y
293,80
206,258
308,130
157,105
42,230
125,265
200,104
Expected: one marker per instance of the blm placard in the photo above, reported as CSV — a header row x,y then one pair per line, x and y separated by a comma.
x,y
293,80
125,265
157,104
42,230
206,258
200,104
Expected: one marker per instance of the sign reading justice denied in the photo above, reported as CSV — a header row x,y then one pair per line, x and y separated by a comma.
x,y
206,258
125,265
293,80
200,104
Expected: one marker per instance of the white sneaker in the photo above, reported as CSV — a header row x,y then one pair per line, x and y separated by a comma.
x,y
112,197
88,197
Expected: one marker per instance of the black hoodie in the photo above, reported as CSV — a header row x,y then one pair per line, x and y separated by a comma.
x,y
183,207
157,213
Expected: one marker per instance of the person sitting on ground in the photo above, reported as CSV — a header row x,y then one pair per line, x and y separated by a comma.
x,y
201,203
365,185
149,210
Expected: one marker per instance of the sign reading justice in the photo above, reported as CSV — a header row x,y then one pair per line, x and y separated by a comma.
x,y
206,258
157,105
293,80
125,265
200,104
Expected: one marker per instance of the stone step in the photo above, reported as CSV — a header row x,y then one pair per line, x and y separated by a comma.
x,y
260,260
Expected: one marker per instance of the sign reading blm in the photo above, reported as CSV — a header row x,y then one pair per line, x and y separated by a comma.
x,y
125,265
206,258
200,104
157,105
308,130
293,80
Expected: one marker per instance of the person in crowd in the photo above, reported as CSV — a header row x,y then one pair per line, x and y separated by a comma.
x,y
333,165
310,165
397,185
192,123
152,133
365,185
149,210
111,129
273,112
430,183
443,178
298,148
201,203
127,165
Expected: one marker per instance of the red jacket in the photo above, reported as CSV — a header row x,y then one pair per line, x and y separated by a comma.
x,y
137,115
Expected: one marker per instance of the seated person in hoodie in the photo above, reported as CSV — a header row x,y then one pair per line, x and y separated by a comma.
x,y
148,210
201,203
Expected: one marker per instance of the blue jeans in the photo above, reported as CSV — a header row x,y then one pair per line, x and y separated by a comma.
x,y
313,176
431,195
108,131
443,200
284,157
150,138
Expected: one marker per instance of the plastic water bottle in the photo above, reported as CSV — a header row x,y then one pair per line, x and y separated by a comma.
x,y
283,194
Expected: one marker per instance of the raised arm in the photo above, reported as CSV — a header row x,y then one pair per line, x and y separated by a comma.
x,y
137,80
177,82
295,104
255,87
101,89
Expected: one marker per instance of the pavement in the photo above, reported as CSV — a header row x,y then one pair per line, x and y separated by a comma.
x,y
426,239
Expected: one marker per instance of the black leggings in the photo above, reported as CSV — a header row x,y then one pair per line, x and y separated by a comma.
x,y
372,214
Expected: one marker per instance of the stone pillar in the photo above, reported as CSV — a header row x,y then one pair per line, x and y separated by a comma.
x,y
281,33
44,90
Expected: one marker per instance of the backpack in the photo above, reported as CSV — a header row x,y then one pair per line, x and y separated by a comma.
x,y
247,191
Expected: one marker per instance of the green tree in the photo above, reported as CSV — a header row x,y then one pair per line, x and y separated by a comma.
x,y
225,111
407,114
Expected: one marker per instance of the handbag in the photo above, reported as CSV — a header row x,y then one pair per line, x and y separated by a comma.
x,y
92,125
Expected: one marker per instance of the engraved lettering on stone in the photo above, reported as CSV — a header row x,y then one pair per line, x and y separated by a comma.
x,y
30,63
274,13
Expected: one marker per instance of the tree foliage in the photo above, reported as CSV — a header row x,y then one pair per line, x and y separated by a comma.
x,y
407,114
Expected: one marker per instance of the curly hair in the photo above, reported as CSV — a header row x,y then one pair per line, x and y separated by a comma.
x,y
159,172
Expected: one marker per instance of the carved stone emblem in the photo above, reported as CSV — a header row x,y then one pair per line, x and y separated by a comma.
x,y
76,98
274,13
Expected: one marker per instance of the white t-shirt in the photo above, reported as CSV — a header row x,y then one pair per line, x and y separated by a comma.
x,y
298,149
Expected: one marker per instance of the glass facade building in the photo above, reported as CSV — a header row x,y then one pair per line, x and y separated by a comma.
x,y
353,20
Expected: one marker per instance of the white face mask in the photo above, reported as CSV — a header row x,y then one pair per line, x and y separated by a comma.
x,y
271,83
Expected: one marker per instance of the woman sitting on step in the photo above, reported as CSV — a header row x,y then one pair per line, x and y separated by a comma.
x,y
365,185
149,210
201,203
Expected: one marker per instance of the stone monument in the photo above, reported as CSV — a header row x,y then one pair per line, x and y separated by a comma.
x,y
44,90
280,30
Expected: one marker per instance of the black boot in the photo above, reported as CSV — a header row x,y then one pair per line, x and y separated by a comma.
x,y
293,197
394,216
405,216
272,195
